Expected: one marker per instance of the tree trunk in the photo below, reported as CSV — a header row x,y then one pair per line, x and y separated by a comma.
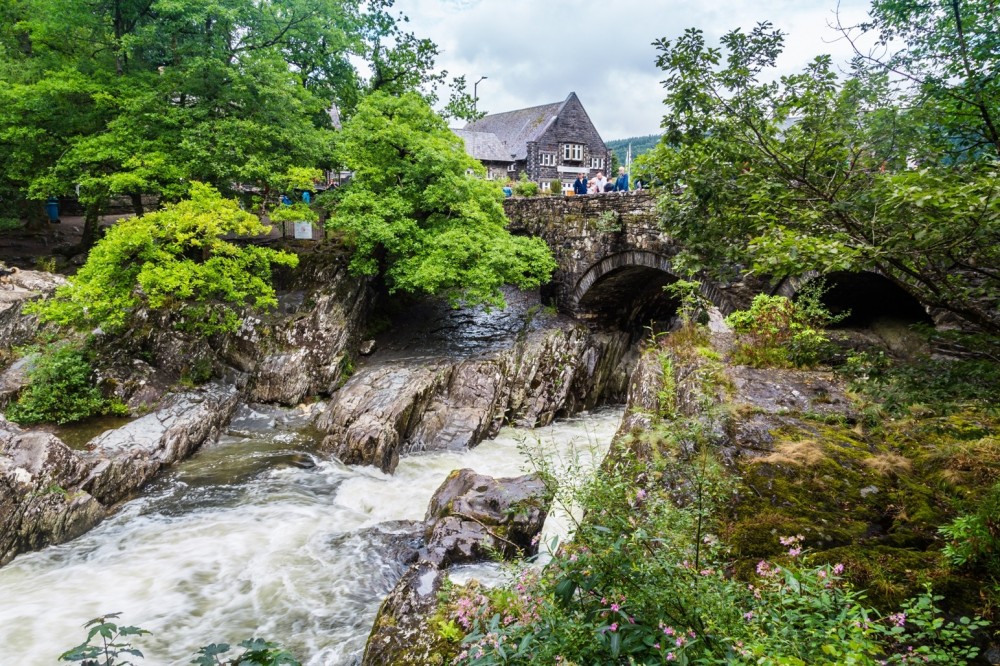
x,y
91,226
137,203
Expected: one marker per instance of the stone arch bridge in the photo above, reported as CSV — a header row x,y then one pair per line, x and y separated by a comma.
x,y
614,260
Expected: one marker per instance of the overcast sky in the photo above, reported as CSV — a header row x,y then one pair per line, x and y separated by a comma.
x,y
538,51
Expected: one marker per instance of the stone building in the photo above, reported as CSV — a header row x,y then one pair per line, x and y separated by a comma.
x,y
549,142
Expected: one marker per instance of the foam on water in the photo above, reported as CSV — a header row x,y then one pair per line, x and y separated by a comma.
x,y
254,536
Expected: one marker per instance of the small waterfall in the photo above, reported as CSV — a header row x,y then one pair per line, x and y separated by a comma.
x,y
253,536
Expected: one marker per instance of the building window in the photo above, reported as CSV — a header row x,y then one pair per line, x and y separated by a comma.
x,y
573,152
511,167
547,159
596,162
545,186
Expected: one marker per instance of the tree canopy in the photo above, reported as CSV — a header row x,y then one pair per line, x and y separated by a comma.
x,y
125,97
175,260
419,213
818,171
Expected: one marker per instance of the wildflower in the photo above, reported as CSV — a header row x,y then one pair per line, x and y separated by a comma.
x,y
838,568
795,552
614,626
641,495
748,615
671,656
898,619
615,607
669,631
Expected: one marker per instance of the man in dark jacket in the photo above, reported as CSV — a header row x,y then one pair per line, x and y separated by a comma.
x,y
580,184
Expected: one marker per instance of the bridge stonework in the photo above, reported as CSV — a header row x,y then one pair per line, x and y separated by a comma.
x,y
608,247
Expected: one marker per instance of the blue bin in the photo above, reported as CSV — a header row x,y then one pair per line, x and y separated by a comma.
x,y
52,208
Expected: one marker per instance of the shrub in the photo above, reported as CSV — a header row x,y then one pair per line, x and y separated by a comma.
x,y
172,260
112,645
525,187
60,389
10,224
778,332
556,187
974,538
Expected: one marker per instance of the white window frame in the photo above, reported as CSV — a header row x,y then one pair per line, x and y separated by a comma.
x,y
547,159
573,152
545,186
596,162
511,167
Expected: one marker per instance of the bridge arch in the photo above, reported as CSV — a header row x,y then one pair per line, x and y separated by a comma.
x,y
628,286
869,296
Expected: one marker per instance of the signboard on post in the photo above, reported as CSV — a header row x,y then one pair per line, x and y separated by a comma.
x,y
303,231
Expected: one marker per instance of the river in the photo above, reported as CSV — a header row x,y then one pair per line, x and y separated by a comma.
x,y
255,535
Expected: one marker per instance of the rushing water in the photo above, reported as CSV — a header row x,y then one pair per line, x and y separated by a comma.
x,y
253,536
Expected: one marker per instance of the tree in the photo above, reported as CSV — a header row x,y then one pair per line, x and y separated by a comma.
x,y
174,260
419,213
133,97
943,56
816,172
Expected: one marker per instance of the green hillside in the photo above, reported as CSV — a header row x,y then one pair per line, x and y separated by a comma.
x,y
640,145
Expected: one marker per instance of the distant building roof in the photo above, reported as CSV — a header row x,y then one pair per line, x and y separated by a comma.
x,y
484,146
515,129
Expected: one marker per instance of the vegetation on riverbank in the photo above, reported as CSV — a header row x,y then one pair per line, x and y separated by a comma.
x,y
844,542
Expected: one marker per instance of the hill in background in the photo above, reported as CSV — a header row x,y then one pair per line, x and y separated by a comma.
x,y
640,145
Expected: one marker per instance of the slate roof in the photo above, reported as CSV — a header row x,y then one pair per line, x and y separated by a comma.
x,y
515,129
484,146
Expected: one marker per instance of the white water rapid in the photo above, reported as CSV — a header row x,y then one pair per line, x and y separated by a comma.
x,y
253,536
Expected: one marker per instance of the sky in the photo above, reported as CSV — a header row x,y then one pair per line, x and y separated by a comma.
x,y
536,52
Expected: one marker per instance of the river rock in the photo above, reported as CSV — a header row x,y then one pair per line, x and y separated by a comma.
x,y
469,517
307,345
402,634
377,410
17,328
127,458
40,497
50,493
385,411
472,515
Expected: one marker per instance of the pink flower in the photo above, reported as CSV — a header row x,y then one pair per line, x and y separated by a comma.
x,y
671,656
614,626
838,568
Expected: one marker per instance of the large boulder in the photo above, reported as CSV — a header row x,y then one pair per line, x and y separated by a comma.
x,y
19,288
384,411
472,516
50,493
402,634
41,499
306,348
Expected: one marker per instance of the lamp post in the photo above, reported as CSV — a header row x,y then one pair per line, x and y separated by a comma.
x,y
475,97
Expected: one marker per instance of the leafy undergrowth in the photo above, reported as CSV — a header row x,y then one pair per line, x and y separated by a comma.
x,y
848,543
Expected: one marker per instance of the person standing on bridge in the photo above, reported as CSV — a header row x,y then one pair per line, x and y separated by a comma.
x,y
621,183
580,184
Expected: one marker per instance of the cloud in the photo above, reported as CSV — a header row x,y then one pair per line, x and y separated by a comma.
x,y
538,52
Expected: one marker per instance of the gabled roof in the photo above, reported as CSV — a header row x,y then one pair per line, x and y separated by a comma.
x,y
484,146
516,128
